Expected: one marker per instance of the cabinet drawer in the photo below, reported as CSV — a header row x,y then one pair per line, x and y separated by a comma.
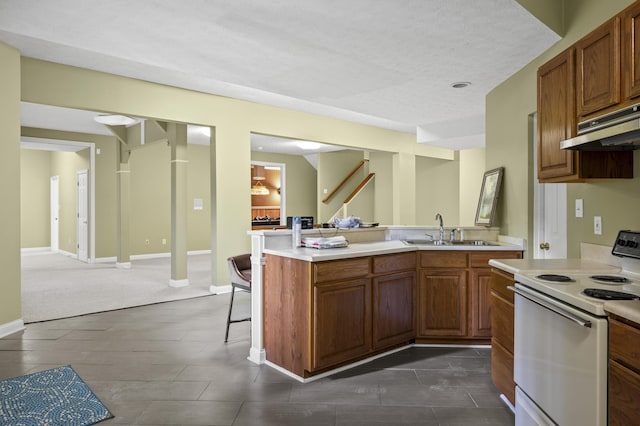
x,y
394,263
502,321
624,393
499,282
624,344
481,259
341,269
502,371
443,259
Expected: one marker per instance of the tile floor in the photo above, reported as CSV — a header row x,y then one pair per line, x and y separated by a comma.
x,y
166,364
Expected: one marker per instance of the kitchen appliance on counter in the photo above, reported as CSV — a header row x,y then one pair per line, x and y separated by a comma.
x,y
561,339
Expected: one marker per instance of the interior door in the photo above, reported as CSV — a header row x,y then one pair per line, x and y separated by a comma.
x,y
550,215
83,215
54,213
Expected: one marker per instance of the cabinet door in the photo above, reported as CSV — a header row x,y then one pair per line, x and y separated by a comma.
x,y
442,303
341,322
480,303
394,313
624,394
631,51
556,116
598,68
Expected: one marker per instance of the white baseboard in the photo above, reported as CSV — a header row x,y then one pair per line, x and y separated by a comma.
x,y
219,289
11,327
35,250
113,259
179,283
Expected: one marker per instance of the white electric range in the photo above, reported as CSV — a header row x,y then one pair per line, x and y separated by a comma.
x,y
561,338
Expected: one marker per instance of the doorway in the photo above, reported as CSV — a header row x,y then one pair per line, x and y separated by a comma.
x,y
268,195
54,201
550,210
82,205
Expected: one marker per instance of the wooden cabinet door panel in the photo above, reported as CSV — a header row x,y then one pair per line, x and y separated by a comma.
x,y
341,322
598,68
394,313
443,259
500,280
624,394
334,270
480,303
502,321
442,303
631,51
394,263
502,371
624,341
556,116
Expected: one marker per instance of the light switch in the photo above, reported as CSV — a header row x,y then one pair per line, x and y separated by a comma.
x,y
597,225
579,210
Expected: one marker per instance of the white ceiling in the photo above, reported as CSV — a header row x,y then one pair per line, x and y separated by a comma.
x,y
385,63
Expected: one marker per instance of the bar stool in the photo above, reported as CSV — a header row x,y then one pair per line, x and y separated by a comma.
x,y
240,273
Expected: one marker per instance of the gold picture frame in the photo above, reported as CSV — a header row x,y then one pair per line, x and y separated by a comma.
x,y
489,193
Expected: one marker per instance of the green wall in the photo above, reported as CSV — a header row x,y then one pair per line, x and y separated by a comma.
x,y
509,144
10,307
35,223
472,170
437,191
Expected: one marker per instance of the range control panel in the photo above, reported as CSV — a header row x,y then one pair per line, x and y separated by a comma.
x,y
627,244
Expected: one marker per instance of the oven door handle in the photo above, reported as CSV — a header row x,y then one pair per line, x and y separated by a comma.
x,y
553,308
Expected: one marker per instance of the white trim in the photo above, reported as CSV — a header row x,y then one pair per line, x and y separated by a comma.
x,y
336,370
149,256
179,283
36,250
219,289
257,356
11,327
123,265
68,254
508,403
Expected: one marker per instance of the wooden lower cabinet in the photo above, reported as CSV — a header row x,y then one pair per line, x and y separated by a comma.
x,y
502,312
442,302
454,295
480,303
341,322
394,309
624,371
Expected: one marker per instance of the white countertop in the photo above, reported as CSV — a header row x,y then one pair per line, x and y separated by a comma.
x,y
377,248
517,266
629,309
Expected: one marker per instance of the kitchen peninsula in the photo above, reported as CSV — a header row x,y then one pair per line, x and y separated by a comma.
x,y
318,310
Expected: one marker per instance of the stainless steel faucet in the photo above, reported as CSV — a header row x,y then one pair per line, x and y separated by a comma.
x,y
439,217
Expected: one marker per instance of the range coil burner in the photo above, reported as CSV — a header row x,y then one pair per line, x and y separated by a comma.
x,y
610,279
555,278
599,293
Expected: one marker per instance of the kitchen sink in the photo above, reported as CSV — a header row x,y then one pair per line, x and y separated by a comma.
x,y
419,242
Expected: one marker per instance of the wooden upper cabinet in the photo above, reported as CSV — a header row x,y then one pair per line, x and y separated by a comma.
x,y
556,116
598,68
631,52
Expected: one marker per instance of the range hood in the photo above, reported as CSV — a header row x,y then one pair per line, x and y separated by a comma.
x,y
616,131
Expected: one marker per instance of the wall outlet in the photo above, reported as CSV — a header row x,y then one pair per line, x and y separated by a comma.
x,y
146,241
597,225
164,241
579,208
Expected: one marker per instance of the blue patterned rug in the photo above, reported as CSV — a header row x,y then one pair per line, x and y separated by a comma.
x,y
52,397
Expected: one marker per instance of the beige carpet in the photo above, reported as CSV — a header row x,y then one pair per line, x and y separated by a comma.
x,y
57,286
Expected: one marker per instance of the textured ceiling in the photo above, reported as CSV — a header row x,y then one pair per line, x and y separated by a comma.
x,y
379,62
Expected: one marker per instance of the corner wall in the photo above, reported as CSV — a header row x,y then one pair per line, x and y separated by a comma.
x,y
10,303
